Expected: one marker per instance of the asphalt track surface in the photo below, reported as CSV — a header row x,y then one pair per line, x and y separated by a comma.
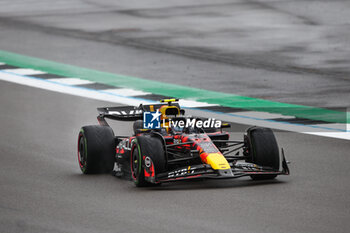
x,y
43,190
287,51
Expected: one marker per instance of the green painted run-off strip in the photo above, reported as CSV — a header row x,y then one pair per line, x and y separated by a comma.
x,y
166,89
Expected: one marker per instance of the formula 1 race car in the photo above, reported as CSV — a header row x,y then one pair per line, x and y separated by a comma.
x,y
176,147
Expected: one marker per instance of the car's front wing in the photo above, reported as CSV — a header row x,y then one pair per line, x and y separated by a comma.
x,y
205,171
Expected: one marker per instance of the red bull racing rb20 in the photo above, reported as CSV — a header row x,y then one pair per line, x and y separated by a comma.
x,y
168,146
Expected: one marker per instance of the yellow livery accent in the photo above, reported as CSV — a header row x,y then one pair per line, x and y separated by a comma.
x,y
168,100
217,161
166,111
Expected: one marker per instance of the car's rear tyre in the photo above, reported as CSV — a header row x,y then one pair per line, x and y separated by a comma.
x,y
137,126
96,149
263,150
144,146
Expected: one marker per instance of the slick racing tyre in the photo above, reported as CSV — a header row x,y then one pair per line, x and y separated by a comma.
x,y
263,150
146,146
96,149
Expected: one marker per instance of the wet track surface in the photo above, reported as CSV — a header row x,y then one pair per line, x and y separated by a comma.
x,y
43,190
287,51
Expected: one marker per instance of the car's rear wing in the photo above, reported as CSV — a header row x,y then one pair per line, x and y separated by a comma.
x,y
122,113
127,113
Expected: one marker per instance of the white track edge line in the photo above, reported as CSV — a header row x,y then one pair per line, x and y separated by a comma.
x,y
104,96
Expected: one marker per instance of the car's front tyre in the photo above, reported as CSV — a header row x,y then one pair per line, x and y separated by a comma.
x,y
146,146
263,150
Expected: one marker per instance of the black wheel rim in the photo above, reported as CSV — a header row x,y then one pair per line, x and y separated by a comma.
x,y
135,162
82,159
